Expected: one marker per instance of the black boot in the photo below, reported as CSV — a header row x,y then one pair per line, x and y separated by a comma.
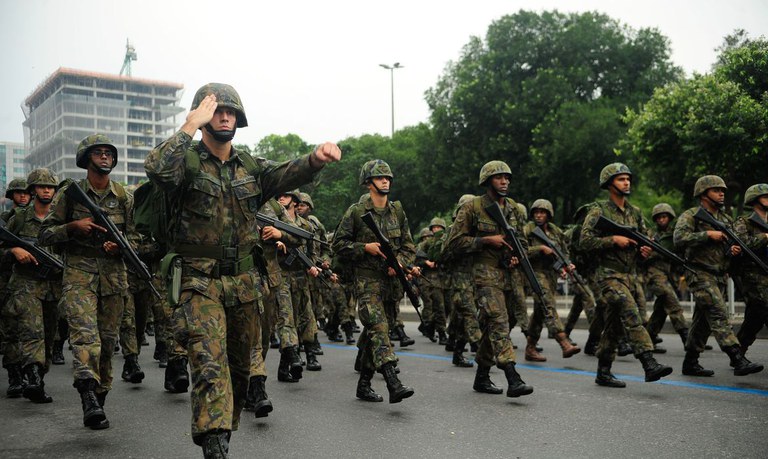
x,y
517,387
257,400
428,330
161,353
653,369
405,340
458,356
176,376
274,343
15,381
215,444
102,398
295,360
35,390
348,333
483,381
605,377
442,338
364,389
93,413
131,369
590,347
284,368
691,366
397,392
624,348
741,365
312,363
317,349
473,347
58,353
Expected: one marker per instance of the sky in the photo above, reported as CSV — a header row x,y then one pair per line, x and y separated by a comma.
x,y
307,67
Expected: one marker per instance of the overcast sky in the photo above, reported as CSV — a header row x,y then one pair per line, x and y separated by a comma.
x,y
308,67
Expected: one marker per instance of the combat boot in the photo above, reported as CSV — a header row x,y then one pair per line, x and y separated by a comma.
x,y
15,381
102,398
624,348
294,358
58,353
284,369
349,333
93,413
161,353
256,400
176,376
691,366
274,343
215,444
604,376
312,363
483,381
741,365
569,350
35,389
683,335
316,348
590,348
458,356
658,349
442,338
364,389
397,392
131,369
517,387
405,340
531,354
653,369
450,344
393,335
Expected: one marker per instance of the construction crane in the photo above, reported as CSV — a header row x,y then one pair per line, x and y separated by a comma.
x,y
130,55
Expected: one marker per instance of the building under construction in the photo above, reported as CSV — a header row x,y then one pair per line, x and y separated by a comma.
x,y
135,113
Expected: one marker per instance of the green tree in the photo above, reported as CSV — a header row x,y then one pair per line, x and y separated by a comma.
x,y
282,147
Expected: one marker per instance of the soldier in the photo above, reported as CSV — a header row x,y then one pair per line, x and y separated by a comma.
x,y
95,278
517,309
583,296
753,282
215,237
432,285
617,271
705,249
542,259
659,279
34,289
355,243
474,233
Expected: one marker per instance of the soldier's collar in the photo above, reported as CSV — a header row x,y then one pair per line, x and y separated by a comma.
x,y
205,153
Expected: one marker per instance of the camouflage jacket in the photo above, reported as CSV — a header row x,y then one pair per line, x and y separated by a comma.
x,y
26,225
611,260
703,253
657,263
352,235
217,207
539,261
274,209
296,266
756,239
322,252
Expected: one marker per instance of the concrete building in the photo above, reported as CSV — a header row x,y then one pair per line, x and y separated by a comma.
x,y
135,113
12,166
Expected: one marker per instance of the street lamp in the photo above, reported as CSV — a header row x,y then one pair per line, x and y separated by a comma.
x,y
391,69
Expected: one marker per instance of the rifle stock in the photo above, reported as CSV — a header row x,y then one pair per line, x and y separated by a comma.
x,y
295,231
703,215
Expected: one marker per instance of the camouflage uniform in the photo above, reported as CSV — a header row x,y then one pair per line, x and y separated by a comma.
x,y
221,288
752,281
433,312
659,283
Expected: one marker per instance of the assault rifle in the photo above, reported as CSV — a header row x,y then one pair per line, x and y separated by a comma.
x,y
391,259
704,216
494,211
295,231
296,253
562,260
75,193
47,261
611,227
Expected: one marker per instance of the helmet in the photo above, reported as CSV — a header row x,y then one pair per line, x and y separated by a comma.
x,y
754,192
18,184
375,168
437,221
226,96
610,171
95,140
581,212
295,194
662,208
492,168
42,176
543,204
425,233
465,198
306,199
706,182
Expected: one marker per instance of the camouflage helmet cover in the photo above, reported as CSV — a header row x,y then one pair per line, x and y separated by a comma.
x,y
544,205
375,168
425,232
95,140
226,96
663,208
437,221
706,182
492,168
18,184
612,170
42,176
754,192
306,199
295,194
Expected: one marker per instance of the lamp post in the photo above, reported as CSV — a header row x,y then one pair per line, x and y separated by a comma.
x,y
391,69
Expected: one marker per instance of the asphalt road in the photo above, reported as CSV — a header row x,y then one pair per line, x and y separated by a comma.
x,y
566,416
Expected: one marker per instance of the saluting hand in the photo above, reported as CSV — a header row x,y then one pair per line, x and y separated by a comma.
x,y
200,116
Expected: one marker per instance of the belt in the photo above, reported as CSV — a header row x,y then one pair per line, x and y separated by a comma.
x,y
216,252
223,268
370,273
617,267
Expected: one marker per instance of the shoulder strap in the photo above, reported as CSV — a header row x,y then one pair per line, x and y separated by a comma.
x,y
399,211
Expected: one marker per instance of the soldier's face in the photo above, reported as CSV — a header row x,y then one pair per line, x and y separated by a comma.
x,y
285,200
763,201
662,220
302,209
21,198
623,182
224,119
44,193
382,183
102,157
540,216
500,183
717,195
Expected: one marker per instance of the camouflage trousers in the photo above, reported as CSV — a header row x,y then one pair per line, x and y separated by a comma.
x,y
317,293
434,306
258,347
128,339
349,311
666,304
147,303
337,305
375,347
303,313
218,330
620,297
393,294
32,305
492,305
281,302
583,300
464,306
642,303
710,315
545,313
10,336
517,311
754,288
